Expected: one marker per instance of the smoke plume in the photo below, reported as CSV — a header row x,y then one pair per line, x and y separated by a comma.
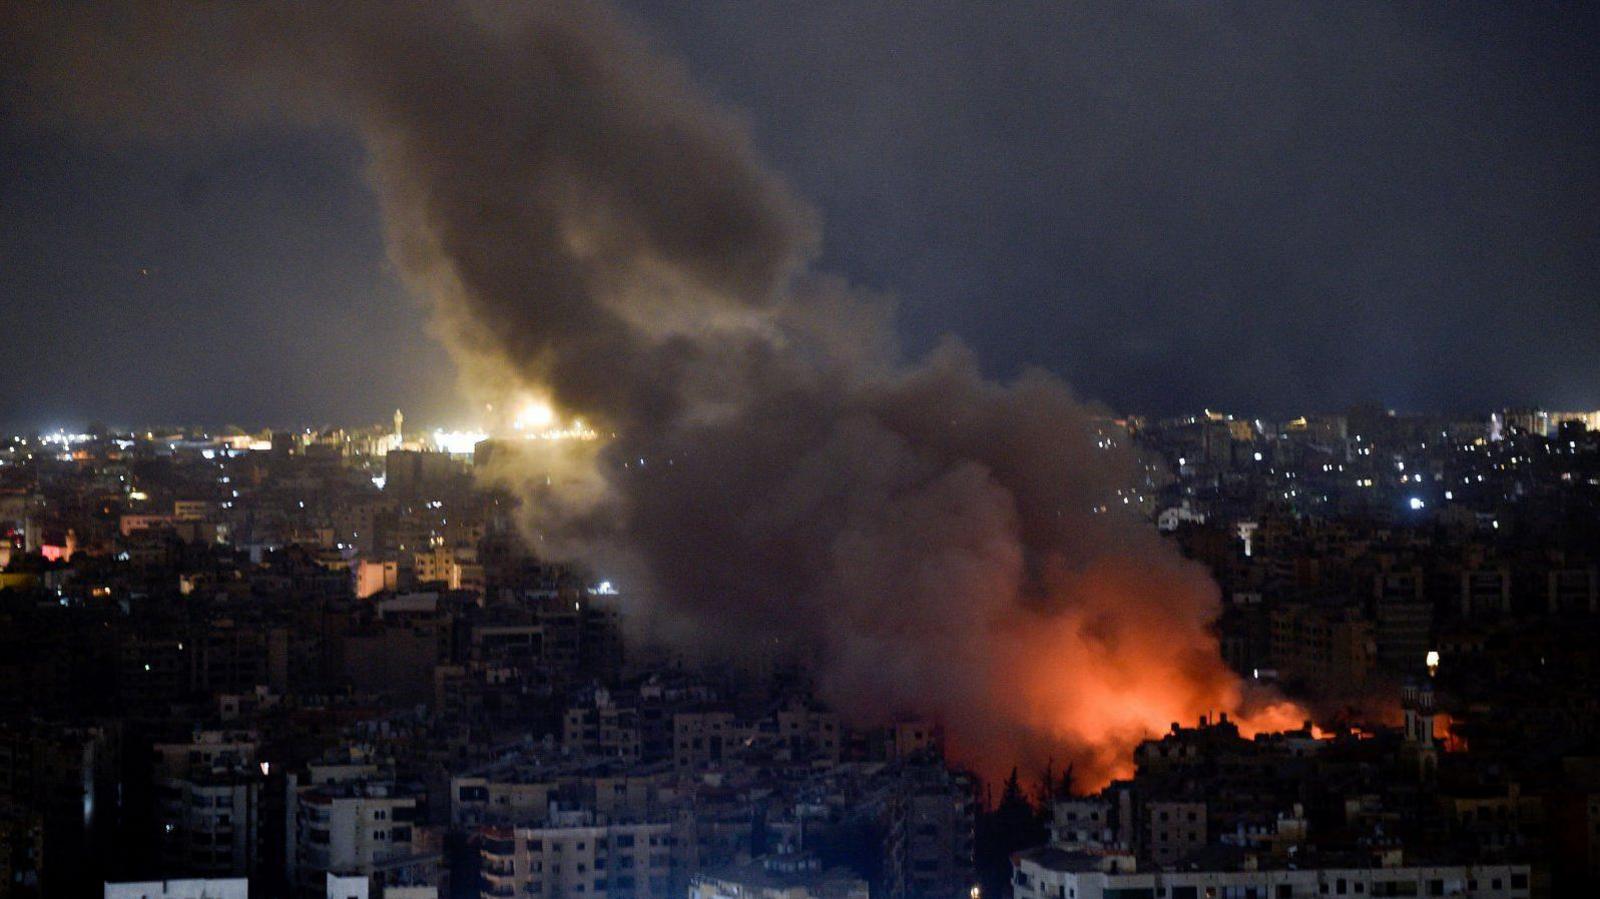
x,y
775,479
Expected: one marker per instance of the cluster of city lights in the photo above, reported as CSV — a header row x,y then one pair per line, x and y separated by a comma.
x,y
457,443
63,438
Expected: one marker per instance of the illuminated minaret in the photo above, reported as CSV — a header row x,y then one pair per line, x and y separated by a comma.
x,y
1417,702
399,429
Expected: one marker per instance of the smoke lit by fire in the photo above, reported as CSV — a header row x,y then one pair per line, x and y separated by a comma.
x,y
1104,696
777,480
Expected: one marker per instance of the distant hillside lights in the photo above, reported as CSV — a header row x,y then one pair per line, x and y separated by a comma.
x,y
1541,422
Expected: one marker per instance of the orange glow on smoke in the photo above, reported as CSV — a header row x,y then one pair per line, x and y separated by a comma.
x,y
1444,733
1117,666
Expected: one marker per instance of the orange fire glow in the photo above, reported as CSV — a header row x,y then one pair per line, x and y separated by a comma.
x,y
1446,733
1120,665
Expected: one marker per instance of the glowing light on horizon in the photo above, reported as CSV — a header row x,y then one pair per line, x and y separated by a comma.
x,y
457,443
536,419
535,414
462,443
577,430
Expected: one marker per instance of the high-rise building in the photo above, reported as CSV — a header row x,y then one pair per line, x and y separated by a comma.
x,y
208,794
352,820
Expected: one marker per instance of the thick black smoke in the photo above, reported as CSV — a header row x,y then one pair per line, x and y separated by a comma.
x,y
776,480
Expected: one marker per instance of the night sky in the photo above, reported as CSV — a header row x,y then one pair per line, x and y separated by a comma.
x,y
1257,207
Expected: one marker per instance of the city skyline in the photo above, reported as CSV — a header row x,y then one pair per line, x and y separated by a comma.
x,y
487,423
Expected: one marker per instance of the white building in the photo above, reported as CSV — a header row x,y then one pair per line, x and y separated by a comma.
x,y
783,876
351,821
578,857
510,798
1050,873
1080,825
229,888
209,823
348,887
1173,517
208,793
357,887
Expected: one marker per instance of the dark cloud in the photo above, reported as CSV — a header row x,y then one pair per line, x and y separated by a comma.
x,y
1266,208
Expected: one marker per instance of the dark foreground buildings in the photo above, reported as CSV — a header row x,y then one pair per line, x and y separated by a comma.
x,y
288,665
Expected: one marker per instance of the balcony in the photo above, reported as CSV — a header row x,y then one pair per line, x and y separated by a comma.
x,y
498,848
498,867
488,886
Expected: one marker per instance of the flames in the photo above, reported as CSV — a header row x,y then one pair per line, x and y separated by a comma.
x,y
1125,659
1447,734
